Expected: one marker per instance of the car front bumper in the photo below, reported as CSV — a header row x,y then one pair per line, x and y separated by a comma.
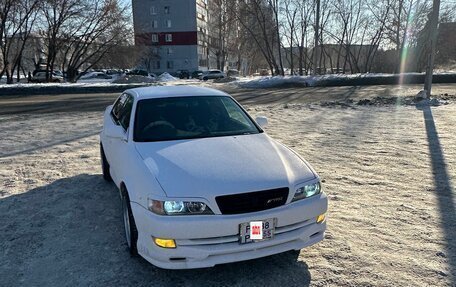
x,y
205,241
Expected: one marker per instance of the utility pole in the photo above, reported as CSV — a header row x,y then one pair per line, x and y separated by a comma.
x,y
434,21
317,36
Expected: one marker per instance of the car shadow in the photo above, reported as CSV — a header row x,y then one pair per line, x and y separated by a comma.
x,y
70,232
442,187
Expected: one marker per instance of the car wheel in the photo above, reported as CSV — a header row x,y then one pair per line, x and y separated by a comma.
x,y
131,233
105,165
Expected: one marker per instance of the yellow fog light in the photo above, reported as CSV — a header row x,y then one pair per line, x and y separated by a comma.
x,y
165,243
321,218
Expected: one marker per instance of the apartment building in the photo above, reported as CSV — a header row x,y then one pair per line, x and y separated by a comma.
x,y
173,32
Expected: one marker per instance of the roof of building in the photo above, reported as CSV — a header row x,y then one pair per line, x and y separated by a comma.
x,y
173,91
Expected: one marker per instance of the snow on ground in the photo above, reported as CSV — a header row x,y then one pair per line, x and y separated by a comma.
x,y
389,173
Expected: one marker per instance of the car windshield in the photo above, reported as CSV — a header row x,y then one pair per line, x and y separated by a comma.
x,y
178,118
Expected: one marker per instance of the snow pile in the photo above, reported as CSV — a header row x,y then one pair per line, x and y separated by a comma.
x,y
271,82
166,77
300,81
134,79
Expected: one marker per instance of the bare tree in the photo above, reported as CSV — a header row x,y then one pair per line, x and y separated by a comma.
x,y
358,28
57,25
99,28
220,23
16,22
305,9
274,6
289,27
380,10
407,18
258,20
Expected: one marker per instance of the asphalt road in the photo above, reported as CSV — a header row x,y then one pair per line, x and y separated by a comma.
x,y
97,102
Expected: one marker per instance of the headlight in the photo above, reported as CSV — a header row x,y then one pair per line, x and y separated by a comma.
x,y
306,191
178,207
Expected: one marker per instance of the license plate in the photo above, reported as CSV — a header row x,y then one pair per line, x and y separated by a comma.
x,y
267,228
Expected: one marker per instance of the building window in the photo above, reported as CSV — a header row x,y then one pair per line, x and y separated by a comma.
x,y
152,10
170,64
154,24
155,50
156,65
166,9
168,37
202,62
154,38
170,51
168,23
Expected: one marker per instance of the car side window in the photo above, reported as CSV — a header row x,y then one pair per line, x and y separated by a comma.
x,y
121,110
118,106
125,115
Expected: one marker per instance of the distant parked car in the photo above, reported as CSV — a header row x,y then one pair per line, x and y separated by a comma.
x,y
196,74
58,73
40,77
232,73
183,74
138,72
96,75
212,75
113,72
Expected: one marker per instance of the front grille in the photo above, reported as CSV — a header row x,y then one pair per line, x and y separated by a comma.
x,y
252,201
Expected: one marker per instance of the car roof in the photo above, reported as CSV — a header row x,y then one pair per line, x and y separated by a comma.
x,y
156,92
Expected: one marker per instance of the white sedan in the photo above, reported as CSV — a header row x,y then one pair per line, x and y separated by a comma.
x,y
202,184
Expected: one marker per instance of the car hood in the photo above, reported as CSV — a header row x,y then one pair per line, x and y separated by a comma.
x,y
222,165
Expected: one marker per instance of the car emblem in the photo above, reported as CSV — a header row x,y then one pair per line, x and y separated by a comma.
x,y
272,200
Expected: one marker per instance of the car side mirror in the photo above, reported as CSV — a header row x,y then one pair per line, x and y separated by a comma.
x,y
115,132
262,121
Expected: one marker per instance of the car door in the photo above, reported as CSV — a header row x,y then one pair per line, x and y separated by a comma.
x,y
121,114
112,119
120,146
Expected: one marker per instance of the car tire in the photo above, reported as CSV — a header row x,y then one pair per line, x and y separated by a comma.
x,y
205,79
131,232
105,165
